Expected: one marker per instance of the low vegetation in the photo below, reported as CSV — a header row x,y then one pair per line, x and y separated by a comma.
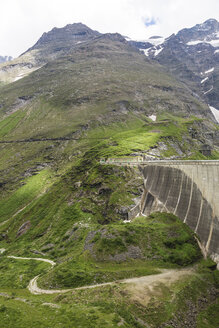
x,y
58,202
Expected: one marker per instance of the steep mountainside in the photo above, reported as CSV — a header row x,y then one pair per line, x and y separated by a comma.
x,y
63,39
101,82
57,42
103,94
192,55
92,96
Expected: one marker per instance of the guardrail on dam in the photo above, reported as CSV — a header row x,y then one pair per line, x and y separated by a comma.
x,y
189,189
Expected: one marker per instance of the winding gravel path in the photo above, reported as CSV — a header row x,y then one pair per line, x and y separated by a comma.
x,y
4,222
166,276
33,258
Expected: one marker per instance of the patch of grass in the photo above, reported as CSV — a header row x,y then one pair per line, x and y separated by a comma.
x,y
125,250
16,274
91,97
32,188
10,123
107,306
209,318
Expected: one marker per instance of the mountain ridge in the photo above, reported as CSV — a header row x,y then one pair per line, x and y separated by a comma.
x,y
66,107
172,52
192,56
68,35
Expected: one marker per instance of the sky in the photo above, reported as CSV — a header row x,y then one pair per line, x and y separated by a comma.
x,y
22,22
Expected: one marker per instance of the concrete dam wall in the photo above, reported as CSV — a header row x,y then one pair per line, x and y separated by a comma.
x,y
190,191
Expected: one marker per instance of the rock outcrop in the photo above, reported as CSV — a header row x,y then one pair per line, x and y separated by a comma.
x,y
191,55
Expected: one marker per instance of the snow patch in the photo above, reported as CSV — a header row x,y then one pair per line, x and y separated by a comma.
x,y
126,221
2,250
215,112
193,43
20,76
157,51
146,51
153,117
213,43
216,51
210,70
202,81
208,91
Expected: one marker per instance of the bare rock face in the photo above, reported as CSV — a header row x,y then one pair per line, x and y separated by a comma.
x,y
55,43
23,228
68,36
192,55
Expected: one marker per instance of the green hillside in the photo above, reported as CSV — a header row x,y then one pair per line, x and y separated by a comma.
x,y
58,202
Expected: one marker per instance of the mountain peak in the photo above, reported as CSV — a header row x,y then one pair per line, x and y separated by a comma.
x,y
68,35
114,37
211,20
74,28
192,56
209,25
199,31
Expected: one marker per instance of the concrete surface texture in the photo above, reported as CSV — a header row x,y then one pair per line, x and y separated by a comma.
x,y
190,190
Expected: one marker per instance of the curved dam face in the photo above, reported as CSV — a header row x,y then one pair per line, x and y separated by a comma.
x,y
189,191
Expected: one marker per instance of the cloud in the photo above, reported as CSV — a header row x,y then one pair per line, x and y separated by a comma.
x,y
150,21
22,22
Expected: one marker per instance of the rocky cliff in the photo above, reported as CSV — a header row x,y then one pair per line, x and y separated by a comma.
x,y
191,55
52,44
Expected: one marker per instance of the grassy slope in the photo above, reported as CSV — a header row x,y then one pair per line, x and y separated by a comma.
x,y
114,306
162,236
105,252
59,185
104,89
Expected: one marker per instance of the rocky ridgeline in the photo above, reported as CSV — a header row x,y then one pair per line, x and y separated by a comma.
x,y
192,55
63,38
53,44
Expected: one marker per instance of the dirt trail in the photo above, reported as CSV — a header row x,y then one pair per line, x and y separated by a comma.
x,y
34,289
4,222
33,258
166,276
23,208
